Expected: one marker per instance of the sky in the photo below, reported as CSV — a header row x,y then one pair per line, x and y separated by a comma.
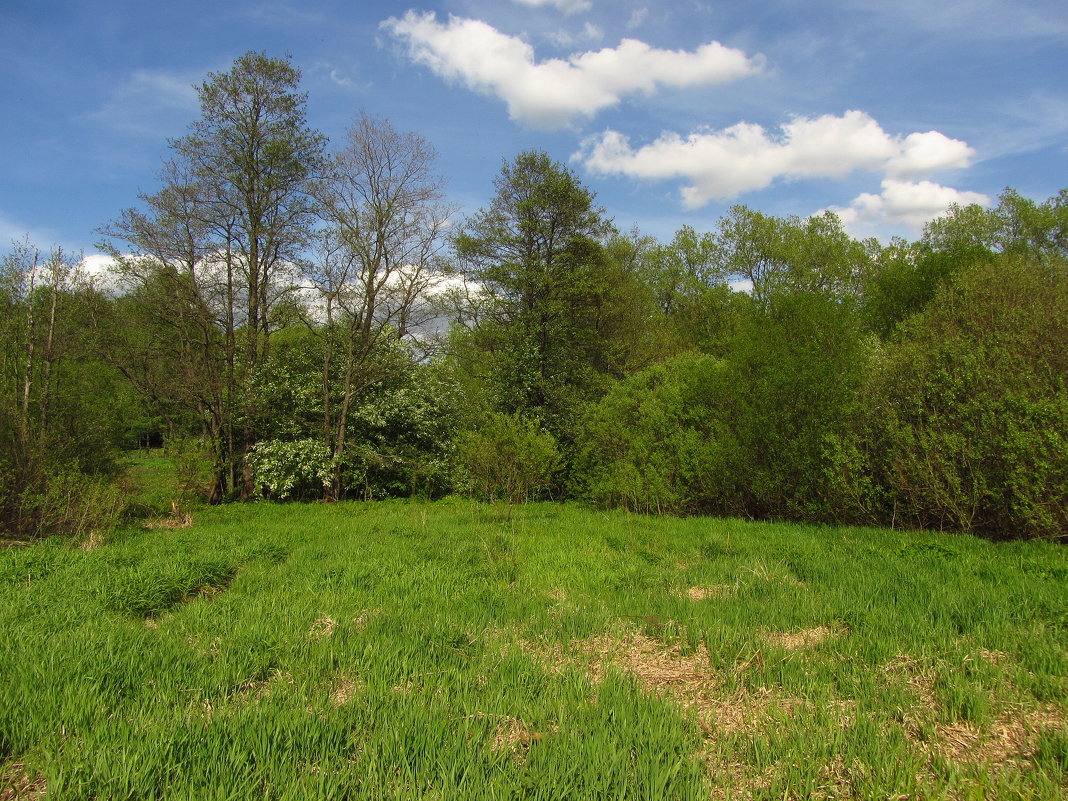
x,y
883,111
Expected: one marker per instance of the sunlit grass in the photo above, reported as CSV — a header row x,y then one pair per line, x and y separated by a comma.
x,y
429,651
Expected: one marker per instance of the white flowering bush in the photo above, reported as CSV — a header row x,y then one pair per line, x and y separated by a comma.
x,y
291,470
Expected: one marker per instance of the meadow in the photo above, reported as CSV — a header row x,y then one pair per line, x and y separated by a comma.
x,y
433,651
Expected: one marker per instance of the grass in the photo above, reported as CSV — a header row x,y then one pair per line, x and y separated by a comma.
x,y
428,651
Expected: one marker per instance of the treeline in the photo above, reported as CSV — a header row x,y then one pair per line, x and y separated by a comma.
x,y
301,321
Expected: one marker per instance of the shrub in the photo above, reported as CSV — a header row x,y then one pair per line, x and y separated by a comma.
x,y
291,470
967,419
660,441
509,460
796,367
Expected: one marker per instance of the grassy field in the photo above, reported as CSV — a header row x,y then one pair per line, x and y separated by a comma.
x,y
429,651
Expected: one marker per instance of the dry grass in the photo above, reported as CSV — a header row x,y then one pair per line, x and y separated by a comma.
x,y
344,689
322,628
688,679
1008,742
805,638
16,784
514,737
253,689
176,519
708,591
93,541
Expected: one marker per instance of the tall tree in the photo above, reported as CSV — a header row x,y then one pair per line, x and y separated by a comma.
x,y
378,259
537,254
232,218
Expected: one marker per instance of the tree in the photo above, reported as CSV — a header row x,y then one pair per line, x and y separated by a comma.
x,y
216,244
773,253
60,408
536,252
378,260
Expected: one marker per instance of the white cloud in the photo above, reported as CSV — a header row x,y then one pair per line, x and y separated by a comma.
x,y
721,164
147,101
551,93
567,6
904,203
637,18
590,33
340,79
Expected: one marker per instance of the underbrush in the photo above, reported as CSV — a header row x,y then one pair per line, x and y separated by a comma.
x,y
400,650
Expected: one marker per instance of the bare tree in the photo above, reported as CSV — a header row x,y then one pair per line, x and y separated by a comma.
x,y
385,221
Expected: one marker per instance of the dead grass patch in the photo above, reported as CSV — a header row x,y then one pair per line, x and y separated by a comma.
x,y
176,519
1010,741
322,628
687,678
804,638
707,591
254,689
17,784
730,781
917,675
92,542
557,594
1007,742
513,736
993,657
361,620
344,689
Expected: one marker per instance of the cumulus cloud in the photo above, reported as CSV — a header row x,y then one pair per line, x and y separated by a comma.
x,y
722,164
552,93
907,203
567,6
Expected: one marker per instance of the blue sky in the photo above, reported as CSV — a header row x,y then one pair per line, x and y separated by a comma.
x,y
883,110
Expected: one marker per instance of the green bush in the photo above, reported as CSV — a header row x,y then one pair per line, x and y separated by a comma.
x,y
291,470
796,367
967,415
661,441
509,460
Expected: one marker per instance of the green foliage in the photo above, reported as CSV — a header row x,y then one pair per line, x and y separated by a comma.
x,y
403,435
968,413
62,412
783,255
194,470
661,441
509,459
796,366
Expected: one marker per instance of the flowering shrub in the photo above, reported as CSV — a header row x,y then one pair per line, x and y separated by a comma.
x,y
291,470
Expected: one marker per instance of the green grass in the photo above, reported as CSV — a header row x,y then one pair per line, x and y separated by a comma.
x,y
429,651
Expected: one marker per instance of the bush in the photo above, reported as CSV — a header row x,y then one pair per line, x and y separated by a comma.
x,y
661,441
967,419
796,368
509,460
291,470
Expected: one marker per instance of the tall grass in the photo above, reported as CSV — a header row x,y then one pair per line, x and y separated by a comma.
x,y
429,651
